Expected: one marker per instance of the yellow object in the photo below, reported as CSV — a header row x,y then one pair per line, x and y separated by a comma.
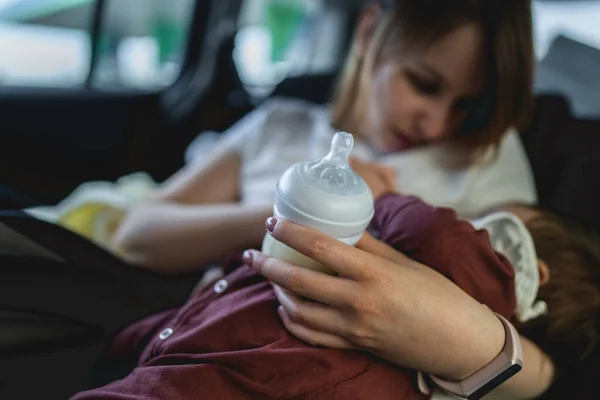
x,y
95,209
95,221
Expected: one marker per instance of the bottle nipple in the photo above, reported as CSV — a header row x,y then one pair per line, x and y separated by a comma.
x,y
327,195
341,146
333,173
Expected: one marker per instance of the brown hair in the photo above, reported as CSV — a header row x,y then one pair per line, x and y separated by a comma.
x,y
571,329
412,25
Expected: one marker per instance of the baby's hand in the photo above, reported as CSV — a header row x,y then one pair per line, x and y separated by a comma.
x,y
381,179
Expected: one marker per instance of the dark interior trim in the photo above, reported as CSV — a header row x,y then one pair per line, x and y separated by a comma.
x,y
96,29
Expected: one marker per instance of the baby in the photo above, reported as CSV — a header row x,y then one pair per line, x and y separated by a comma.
x,y
565,321
227,341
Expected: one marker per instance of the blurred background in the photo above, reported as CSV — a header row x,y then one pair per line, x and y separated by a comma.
x,y
95,89
142,42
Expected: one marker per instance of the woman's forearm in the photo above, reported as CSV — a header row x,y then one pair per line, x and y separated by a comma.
x,y
472,335
174,238
475,338
456,335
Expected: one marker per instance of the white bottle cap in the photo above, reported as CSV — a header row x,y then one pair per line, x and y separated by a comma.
x,y
327,195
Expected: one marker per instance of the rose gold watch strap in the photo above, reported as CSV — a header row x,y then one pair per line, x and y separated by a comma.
x,y
511,353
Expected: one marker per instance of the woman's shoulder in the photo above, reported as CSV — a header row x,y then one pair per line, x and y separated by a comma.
x,y
505,177
276,121
281,121
510,147
289,104
509,169
291,112
278,116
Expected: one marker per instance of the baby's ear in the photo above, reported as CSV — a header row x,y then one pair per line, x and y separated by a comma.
x,y
544,272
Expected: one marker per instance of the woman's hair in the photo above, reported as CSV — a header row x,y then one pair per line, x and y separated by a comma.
x,y
410,26
570,331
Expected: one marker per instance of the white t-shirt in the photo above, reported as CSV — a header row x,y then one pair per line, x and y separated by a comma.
x,y
285,131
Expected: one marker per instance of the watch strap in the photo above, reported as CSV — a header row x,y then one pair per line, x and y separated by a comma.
x,y
496,372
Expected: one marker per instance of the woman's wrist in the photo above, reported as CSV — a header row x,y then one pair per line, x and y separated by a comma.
x,y
464,334
480,344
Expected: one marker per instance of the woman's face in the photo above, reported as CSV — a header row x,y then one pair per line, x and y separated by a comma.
x,y
421,99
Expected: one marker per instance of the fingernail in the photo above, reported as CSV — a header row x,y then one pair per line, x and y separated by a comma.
x,y
271,222
247,257
280,312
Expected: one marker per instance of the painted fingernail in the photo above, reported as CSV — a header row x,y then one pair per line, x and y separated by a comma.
x,y
271,222
247,256
281,312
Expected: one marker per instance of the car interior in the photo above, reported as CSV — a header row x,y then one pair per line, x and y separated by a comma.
x,y
106,110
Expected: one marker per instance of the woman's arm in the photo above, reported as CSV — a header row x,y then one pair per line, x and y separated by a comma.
x,y
396,310
377,303
537,373
175,238
193,220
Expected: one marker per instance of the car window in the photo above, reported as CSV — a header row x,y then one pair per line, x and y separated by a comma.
x,y
281,38
40,48
577,19
140,44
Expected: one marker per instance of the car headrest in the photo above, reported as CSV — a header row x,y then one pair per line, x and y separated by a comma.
x,y
564,153
316,88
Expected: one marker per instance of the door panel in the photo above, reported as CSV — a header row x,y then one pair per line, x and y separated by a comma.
x,y
53,140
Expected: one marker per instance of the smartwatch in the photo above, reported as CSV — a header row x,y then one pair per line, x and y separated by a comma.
x,y
498,371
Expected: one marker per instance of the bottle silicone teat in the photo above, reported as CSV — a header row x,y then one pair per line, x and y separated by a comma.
x,y
333,173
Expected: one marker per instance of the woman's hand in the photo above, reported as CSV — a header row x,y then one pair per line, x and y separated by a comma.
x,y
380,179
382,302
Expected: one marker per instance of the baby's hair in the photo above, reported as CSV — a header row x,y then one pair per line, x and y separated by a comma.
x,y
570,331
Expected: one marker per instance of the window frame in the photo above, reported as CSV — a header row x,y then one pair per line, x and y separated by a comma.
x,y
94,30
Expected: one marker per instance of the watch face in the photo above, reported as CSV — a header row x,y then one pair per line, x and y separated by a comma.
x,y
495,382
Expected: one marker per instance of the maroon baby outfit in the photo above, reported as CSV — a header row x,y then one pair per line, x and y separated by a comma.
x,y
229,343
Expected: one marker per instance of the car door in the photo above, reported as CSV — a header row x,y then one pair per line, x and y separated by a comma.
x,y
95,89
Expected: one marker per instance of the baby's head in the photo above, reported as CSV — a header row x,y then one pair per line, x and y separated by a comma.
x,y
569,265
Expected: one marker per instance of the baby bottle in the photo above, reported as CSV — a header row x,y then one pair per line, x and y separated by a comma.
x,y
325,195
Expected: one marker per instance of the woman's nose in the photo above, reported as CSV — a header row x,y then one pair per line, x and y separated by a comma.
x,y
435,124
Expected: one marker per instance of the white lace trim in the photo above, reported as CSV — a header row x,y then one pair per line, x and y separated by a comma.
x,y
510,237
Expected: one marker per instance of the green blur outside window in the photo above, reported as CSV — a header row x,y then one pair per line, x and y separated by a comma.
x,y
281,38
141,43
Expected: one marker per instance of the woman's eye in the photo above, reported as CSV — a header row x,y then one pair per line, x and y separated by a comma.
x,y
422,85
